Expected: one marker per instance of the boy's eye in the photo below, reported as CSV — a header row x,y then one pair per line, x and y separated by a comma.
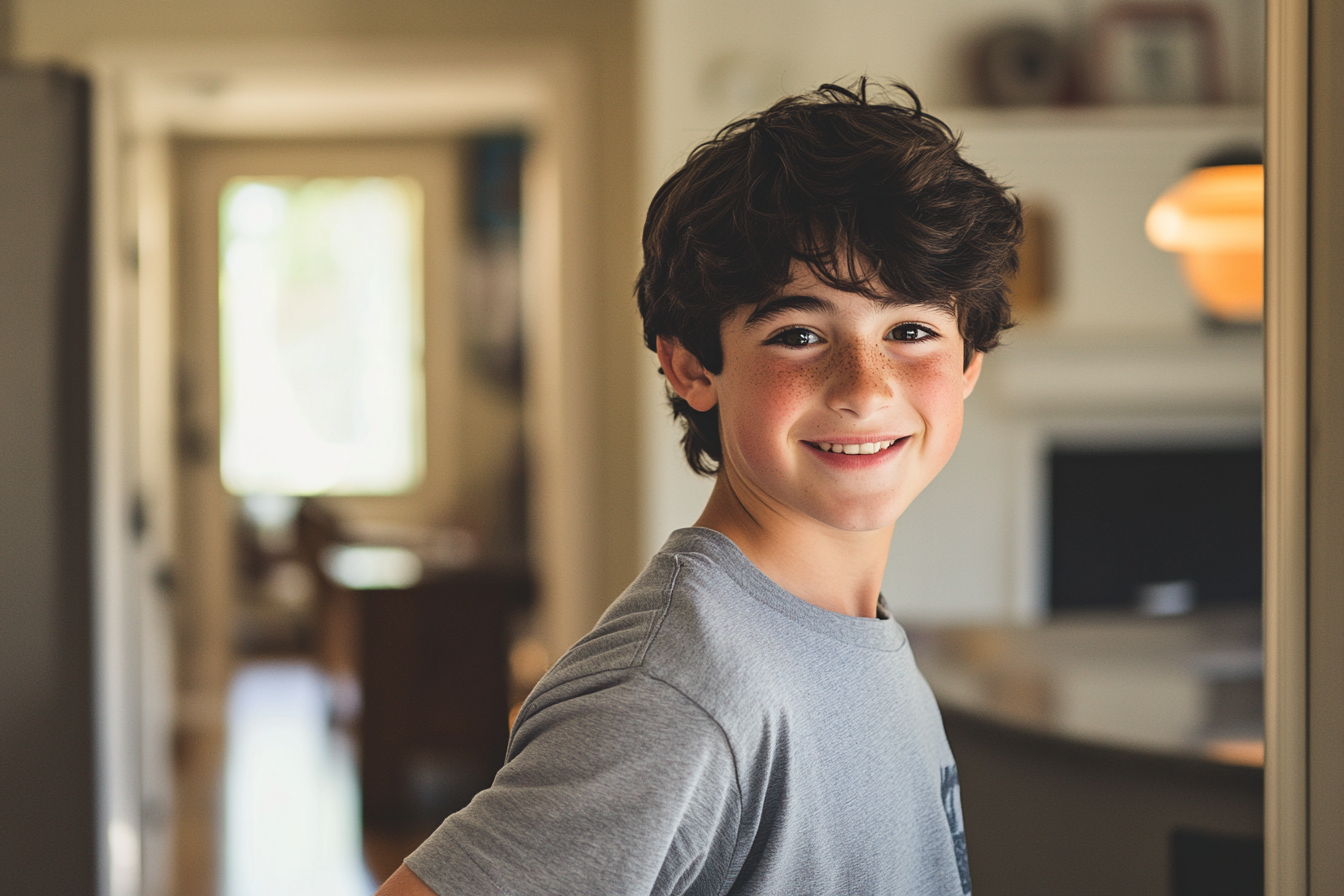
x,y
795,337
911,332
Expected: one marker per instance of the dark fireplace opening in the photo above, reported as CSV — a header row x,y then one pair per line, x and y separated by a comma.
x,y
1162,531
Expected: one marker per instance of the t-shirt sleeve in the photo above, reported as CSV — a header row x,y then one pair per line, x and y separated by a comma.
x,y
626,788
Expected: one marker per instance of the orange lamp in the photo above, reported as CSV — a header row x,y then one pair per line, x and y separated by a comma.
x,y
1215,218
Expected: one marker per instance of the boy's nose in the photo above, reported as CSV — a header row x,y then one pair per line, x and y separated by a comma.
x,y
861,382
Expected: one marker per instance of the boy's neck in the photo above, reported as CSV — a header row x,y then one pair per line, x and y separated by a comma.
x,y
829,568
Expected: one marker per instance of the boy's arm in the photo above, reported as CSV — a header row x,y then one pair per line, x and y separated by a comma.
x,y
403,882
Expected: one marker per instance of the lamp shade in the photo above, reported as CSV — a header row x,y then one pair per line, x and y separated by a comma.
x,y
1215,219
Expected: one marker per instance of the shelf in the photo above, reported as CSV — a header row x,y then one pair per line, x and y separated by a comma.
x,y
1171,117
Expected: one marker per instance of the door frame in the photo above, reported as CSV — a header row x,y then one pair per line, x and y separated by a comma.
x,y
1304,448
148,95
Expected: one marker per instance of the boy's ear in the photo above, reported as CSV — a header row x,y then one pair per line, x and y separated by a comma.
x,y
971,375
687,376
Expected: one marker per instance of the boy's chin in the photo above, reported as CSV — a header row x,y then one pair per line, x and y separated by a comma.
x,y
862,520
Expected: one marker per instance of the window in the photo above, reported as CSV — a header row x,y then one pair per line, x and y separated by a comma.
x,y
321,335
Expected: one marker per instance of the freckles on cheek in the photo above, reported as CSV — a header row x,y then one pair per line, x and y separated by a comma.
x,y
932,378
768,400
779,388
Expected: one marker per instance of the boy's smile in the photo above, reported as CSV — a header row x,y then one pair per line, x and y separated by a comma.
x,y
834,409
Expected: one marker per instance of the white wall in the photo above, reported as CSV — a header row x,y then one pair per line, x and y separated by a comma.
x,y
1121,355
705,62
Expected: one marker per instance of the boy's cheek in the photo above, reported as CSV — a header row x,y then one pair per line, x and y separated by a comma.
x,y
944,431
757,424
939,385
772,392
777,381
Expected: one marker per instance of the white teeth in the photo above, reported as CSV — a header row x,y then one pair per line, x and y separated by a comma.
x,y
862,448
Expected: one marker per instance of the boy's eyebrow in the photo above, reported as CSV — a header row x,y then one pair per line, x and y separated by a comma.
x,y
772,308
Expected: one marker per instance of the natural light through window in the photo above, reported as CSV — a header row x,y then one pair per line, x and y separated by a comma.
x,y
321,335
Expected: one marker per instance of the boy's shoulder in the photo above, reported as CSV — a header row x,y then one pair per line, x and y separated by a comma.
x,y
690,609
704,621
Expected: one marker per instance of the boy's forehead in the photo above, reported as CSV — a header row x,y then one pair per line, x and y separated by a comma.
x,y
843,270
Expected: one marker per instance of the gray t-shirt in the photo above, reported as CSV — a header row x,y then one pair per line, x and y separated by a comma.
x,y
716,734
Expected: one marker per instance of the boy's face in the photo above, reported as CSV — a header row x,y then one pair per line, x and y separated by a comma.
x,y
817,373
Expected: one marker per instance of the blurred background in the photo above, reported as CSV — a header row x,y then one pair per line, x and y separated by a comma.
x,y
328,426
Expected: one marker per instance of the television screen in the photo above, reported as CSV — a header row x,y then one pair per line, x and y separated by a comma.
x,y
1162,532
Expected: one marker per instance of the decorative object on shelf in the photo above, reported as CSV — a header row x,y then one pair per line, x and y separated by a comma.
x,y
1022,64
1032,288
1215,218
1156,53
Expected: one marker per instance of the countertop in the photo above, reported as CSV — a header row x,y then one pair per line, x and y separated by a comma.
x,y
1188,686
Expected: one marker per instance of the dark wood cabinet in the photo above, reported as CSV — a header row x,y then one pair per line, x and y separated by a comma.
x,y
435,683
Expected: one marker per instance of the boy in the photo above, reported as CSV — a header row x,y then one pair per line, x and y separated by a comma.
x,y
820,284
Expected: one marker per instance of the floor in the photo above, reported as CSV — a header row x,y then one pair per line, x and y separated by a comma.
x,y
291,817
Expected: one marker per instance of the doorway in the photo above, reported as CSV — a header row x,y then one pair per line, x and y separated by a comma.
x,y
155,103
287,323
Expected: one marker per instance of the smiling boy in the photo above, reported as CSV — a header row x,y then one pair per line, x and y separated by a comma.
x,y
834,411
820,284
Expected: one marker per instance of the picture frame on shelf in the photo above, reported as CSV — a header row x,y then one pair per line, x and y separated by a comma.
x,y
1022,64
1157,53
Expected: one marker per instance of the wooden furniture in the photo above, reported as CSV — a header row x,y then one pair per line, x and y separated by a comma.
x,y
435,688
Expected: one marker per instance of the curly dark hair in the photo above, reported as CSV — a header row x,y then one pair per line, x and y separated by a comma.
x,y
871,193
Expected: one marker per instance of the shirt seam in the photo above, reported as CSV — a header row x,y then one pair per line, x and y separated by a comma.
x,y
657,625
727,742
737,777
481,870
637,662
723,734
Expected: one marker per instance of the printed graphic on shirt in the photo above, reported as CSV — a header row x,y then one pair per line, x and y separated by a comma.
x,y
952,806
